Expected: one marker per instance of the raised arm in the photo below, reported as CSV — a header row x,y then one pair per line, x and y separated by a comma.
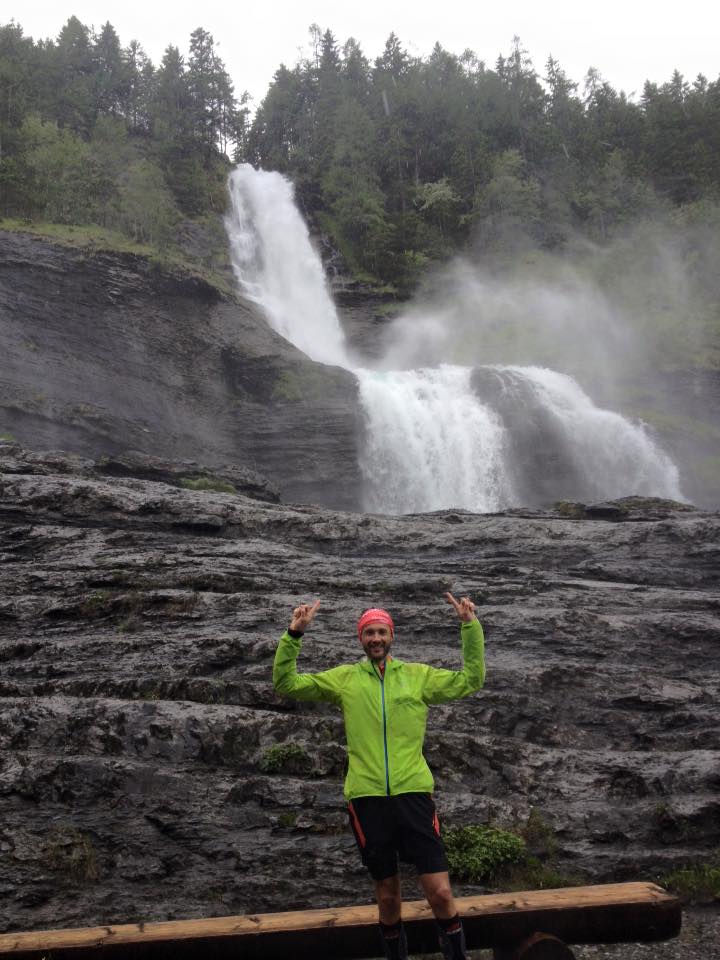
x,y
443,685
303,686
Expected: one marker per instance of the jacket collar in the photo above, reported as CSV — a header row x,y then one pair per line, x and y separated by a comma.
x,y
390,664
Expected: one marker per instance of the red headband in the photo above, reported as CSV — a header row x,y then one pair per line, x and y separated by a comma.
x,y
375,615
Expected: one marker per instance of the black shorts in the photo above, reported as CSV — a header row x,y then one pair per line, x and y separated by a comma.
x,y
405,826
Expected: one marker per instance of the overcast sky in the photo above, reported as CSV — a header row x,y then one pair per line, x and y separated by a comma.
x,y
628,41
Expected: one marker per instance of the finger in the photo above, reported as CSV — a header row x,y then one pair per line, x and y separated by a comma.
x,y
451,599
314,608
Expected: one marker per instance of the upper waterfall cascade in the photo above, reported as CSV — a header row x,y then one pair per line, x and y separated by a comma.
x,y
482,439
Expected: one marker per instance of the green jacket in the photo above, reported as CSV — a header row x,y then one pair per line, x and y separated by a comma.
x,y
385,716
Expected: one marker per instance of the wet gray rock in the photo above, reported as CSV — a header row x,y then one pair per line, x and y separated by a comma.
x,y
108,354
148,770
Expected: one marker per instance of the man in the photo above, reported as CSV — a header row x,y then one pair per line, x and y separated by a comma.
x,y
389,785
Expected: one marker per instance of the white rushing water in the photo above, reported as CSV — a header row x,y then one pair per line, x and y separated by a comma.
x,y
276,266
610,454
430,441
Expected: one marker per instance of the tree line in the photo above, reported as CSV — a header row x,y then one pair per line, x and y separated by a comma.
x,y
93,132
401,161
405,159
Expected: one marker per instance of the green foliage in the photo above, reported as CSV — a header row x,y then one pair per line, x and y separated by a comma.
x,y
509,203
287,820
285,758
478,853
534,874
520,859
207,483
407,158
92,133
696,883
94,604
68,183
146,209
404,159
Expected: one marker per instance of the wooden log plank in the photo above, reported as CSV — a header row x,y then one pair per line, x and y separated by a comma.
x,y
609,913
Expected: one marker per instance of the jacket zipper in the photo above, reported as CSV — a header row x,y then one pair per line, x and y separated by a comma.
x,y
381,678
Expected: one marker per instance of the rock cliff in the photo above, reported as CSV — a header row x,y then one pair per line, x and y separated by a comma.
x,y
104,353
148,770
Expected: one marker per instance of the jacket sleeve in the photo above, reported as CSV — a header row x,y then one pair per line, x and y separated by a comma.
x,y
303,686
443,685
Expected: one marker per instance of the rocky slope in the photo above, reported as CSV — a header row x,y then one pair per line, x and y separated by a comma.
x,y
148,770
104,353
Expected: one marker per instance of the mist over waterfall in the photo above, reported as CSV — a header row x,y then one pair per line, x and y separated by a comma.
x,y
482,438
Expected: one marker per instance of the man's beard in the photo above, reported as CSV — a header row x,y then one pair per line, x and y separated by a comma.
x,y
377,651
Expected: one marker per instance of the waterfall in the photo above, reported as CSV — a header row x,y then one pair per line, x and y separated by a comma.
x,y
276,265
430,443
482,439
607,453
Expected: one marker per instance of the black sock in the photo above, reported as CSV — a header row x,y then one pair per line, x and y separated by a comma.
x,y
452,938
394,940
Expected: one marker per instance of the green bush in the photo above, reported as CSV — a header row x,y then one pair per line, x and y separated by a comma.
x,y
285,758
479,853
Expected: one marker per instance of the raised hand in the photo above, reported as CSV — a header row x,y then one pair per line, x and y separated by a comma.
x,y
303,615
464,607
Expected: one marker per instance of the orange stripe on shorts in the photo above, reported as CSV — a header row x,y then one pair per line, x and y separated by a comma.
x,y
356,824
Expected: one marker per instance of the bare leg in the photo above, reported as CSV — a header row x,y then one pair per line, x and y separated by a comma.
x,y
436,887
389,900
438,893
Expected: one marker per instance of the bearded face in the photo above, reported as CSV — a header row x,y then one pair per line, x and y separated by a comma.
x,y
376,640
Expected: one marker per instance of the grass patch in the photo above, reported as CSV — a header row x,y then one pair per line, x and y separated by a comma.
x,y
94,605
287,820
71,853
95,239
208,483
285,758
307,383
81,237
570,510
695,883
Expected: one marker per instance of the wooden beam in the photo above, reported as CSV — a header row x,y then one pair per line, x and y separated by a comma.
x,y
610,913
